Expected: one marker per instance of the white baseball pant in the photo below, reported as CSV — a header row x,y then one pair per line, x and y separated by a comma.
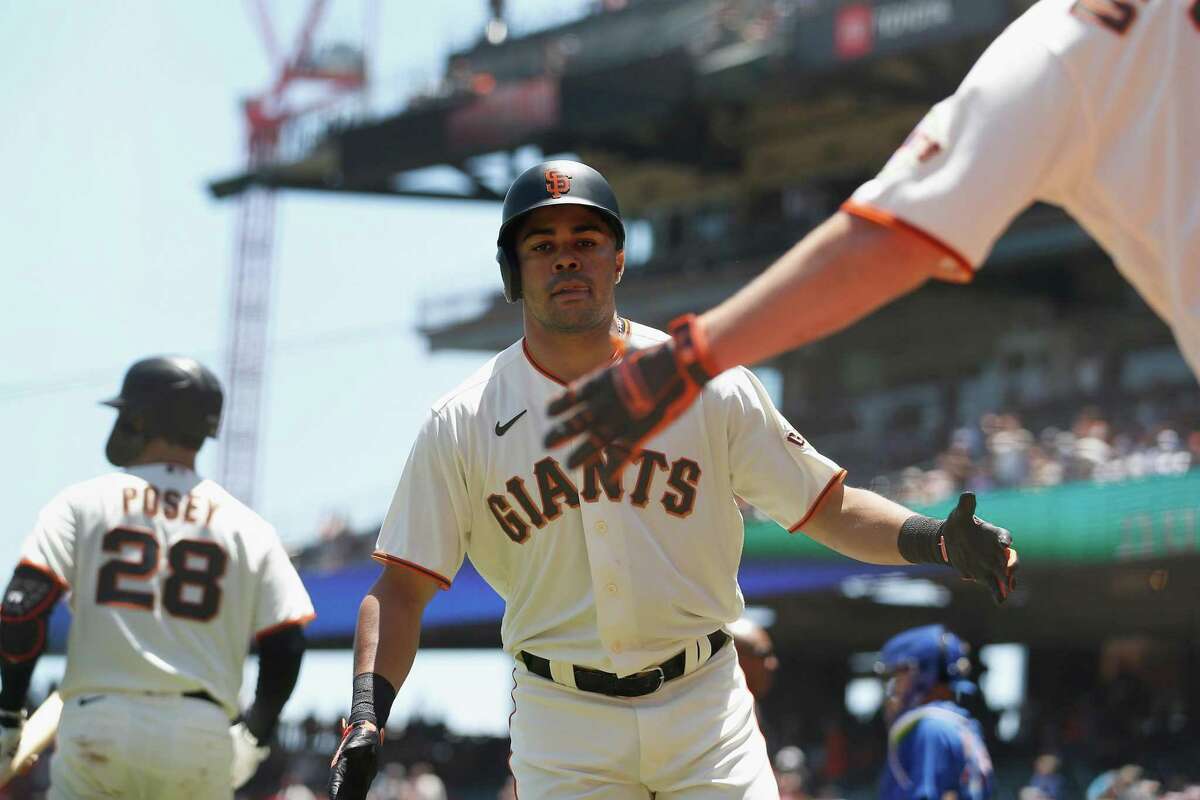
x,y
696,738
141,747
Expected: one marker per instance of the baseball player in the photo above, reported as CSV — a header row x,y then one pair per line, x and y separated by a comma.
x,y
935,750
618,586
1085,104
169,578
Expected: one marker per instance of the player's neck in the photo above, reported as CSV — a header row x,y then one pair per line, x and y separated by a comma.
x,y
158,451
569,356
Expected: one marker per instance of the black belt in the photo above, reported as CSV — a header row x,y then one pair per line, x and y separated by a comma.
x,y
635,685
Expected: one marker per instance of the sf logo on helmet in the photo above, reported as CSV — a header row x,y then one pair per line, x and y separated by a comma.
x,y
557,184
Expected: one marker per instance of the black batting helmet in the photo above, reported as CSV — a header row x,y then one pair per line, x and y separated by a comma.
x,y
551,183
173,397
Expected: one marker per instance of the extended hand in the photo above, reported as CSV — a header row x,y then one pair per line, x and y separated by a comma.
x,y
356,761
618,408
979,550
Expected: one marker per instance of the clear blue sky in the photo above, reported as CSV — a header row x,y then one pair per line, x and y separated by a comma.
x,y
115,116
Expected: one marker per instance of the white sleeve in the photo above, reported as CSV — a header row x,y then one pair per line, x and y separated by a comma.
x,y
772,465
282,598
982,156
50,546
427,525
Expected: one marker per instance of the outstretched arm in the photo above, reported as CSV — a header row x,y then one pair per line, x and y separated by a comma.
x,y
864,526
842,271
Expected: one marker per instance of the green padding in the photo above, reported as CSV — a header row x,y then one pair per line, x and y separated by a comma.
x,y
1078,522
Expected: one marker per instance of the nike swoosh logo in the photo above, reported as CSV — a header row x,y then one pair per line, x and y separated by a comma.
x,y
503,429
83,701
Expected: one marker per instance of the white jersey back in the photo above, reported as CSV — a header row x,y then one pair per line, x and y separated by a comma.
x,y
169,578
1091,105
613,573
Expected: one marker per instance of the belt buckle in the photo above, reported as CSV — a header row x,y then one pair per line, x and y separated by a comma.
x,y
662,678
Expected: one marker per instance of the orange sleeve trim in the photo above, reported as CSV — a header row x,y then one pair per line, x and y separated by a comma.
x,y
287,623
816,506
965,273
51,574
389,560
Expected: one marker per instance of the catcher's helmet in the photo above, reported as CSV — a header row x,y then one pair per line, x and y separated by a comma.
x,y
174,397
934,654
551,183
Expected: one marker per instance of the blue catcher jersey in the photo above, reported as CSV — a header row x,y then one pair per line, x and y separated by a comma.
x,y
934,749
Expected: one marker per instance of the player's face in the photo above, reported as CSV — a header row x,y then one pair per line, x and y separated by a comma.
x,y
569,266
896,693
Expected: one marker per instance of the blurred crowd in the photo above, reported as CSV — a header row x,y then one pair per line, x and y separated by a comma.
x,y
1001,452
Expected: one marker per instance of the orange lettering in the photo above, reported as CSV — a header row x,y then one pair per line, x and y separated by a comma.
x,y
127,496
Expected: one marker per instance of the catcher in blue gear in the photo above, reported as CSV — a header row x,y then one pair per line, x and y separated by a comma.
x,y
935,748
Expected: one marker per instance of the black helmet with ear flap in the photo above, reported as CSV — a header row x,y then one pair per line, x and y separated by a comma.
x,y
559,182
173,397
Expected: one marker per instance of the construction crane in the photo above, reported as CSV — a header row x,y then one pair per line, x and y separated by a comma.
x,y
323,77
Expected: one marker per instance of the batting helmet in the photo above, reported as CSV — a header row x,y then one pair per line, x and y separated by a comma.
x,y
172,397
933,653
551,183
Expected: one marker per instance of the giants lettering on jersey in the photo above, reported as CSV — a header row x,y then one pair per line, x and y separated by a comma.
x,y
523,507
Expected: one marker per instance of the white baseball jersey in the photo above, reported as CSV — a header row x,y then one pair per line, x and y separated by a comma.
x,y
169,578
1089,105
610,573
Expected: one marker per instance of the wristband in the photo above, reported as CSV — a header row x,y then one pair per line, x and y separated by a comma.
x,y
372,701
920,540
692,358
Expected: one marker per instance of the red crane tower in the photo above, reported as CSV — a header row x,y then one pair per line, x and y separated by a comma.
x,y
326,77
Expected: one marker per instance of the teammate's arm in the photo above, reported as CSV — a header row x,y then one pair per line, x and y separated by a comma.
x,y
841,272
867,527
385,644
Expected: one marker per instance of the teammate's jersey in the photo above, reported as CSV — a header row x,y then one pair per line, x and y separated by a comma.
x,y
1088,105
605,572
169,577
934,749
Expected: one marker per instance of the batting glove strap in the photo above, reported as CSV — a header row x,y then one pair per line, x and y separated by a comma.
x,y
921,542
692,357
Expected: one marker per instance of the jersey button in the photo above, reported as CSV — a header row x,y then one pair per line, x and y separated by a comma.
x,y
601,527
612,588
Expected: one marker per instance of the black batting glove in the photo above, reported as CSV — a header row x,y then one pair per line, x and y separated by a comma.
x,y
356,761
979,550
618,408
